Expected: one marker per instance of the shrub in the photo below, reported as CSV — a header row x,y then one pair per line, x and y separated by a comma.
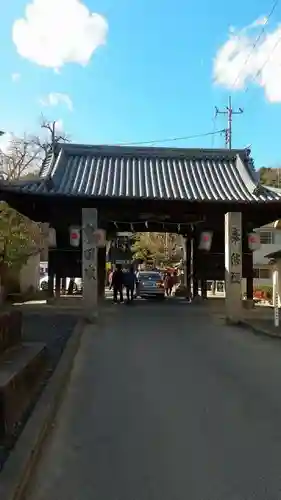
x,y
266,289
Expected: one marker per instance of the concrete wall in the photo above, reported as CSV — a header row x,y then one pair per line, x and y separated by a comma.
x,y
30,274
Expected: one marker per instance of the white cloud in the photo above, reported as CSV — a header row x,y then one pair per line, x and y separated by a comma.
x,y
57,32
15,77
56,98
59,126
263,64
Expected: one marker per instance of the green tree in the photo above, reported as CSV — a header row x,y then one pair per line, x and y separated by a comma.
x,y
20,238
270,176
21,158
157,247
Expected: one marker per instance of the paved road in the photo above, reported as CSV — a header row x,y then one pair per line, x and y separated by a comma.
x,y
167,404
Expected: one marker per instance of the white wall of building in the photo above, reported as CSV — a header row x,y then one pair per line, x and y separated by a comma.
x,y
266,248
270,242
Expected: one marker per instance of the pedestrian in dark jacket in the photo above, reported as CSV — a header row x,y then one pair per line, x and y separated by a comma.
x,y
117,283
130,283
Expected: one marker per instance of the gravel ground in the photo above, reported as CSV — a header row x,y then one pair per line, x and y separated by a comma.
x,y
54,330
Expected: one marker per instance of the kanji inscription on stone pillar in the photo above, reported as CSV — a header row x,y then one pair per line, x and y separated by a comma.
x,y
233,265
89,259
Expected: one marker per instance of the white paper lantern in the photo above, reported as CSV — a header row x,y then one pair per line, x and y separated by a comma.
x,y
74,236
205,242
254,241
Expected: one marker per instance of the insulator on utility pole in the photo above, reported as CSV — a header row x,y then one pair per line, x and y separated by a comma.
x,y
229,112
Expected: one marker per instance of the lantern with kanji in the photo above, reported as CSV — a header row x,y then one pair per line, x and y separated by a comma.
x,y
254,241
205,241
74,236
52,237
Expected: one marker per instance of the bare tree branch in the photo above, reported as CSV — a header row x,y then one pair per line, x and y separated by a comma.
x,y
21,157
53,135
25,155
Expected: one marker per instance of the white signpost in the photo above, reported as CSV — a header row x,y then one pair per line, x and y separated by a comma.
x,y
89,261
233,265
276,297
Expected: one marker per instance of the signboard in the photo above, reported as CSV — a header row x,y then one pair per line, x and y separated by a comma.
x,y
276,297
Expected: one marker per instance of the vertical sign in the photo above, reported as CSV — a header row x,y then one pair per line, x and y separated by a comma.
x,y
276,297
233,264
89,259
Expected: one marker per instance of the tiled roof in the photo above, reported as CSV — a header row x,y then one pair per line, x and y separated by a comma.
x,y
150,173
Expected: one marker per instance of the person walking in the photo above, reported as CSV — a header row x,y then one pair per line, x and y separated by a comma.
x,y
130,283
117,283
168,284
175,282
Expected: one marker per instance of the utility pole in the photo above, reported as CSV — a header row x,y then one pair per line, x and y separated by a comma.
x,y
229,112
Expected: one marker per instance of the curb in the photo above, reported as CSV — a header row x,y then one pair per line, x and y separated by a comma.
x,y
18,469
259,331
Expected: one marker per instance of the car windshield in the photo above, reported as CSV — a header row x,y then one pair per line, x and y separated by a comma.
x,y
150,276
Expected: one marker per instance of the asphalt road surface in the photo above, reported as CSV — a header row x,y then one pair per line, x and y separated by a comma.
x,y
166,403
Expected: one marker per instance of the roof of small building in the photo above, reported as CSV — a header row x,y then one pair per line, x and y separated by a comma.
x,y
274,255
122,172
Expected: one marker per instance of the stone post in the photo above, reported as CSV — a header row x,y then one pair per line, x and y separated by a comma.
x,y
276,281
89,262
194,265
233,266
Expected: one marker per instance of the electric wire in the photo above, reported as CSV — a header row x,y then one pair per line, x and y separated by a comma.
x,y
173,139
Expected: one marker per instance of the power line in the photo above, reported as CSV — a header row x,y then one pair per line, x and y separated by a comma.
x,y
173,139
259,71
229,112
257,40
214,130
267,59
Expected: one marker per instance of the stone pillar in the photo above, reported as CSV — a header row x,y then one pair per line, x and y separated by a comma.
x,y
276,281
89,262
233,266
194,265
278,267
276,293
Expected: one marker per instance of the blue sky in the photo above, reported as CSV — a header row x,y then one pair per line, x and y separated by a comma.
x,y
151,75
